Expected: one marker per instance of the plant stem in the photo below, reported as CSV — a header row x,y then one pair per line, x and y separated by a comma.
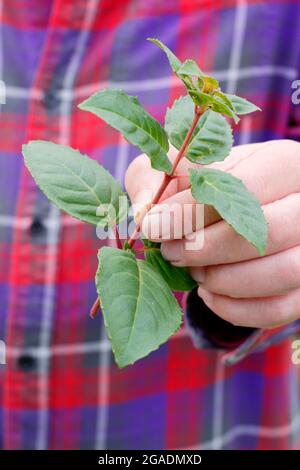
x,y
167,178
144,249
117,237
96,304
95,308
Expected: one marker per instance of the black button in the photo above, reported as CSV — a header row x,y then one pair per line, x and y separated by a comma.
x,y
36,227
50,99
26,362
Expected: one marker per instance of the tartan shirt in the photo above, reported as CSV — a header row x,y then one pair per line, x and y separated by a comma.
x,y
60,387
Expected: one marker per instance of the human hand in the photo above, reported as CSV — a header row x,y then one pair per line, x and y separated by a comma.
x,y
236,283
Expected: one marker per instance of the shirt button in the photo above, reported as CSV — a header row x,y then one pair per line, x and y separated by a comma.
x,y
36,227
26,362
50,99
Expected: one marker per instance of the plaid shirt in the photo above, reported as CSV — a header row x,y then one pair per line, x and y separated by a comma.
x,y
60,388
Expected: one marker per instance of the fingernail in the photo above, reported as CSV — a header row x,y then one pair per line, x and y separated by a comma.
x,y
172,251
204,294
153,223
198,274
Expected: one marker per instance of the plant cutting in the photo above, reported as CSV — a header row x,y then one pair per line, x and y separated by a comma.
x,y
143,312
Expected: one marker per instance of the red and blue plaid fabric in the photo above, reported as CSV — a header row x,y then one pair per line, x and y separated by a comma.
x,y
60,388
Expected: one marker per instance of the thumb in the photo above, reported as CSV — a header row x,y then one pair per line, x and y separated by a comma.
x,y
142,181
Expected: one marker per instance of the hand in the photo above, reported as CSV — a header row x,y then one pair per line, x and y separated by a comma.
x,y
234,282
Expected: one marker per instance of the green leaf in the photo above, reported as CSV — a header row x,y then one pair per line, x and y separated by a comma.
x,y
232,200
140,311
241,105
185,70
190,68
178,279
173,60
212,138
125,113
224,98
75,183
210,83
214,103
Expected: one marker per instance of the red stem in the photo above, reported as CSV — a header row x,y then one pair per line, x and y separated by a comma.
x,y
117,236
96,305
95,308
145,248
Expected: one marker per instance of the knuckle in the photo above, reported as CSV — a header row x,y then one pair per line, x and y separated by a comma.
x,y
276,234
210,278
278,314
289,146
182,253
290,149
291,268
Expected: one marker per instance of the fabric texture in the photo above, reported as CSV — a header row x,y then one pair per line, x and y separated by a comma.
x,y
60,388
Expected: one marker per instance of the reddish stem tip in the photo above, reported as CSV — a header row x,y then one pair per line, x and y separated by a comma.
x,y
95,308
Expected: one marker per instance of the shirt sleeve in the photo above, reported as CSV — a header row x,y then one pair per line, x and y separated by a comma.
x,y
208,330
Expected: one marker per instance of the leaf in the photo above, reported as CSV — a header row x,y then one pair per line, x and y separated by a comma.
x,y
212,138
178,279
174,62
75,183
210,83
224,98
125,113
140,311
232,200
185,70
214,103
241,105
190,68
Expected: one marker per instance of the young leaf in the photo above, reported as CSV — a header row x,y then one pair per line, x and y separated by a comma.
x,y
174,62
185,70
178,279
210,84
214,103
190,68
125,113
241,105
140,311
75,183
212,138
224,98
233,202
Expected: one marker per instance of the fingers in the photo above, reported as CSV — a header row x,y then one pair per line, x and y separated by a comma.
x,y
177,217
263,277
271,171
142,181
222,245
179,214
257,312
